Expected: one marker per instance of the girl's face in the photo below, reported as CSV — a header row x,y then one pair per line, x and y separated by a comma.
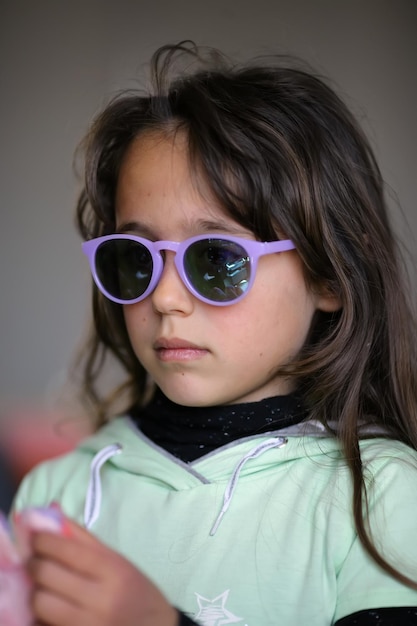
x,y
197,353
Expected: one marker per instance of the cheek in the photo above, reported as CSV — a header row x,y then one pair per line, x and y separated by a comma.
x,y
134,318
241,328
276,317
137,319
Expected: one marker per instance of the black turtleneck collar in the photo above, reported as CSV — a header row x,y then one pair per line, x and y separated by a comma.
x,y
191,432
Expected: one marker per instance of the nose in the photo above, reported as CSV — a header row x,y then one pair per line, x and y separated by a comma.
x,y
171,296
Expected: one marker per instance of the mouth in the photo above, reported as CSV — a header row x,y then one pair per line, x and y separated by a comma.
x,y
178,350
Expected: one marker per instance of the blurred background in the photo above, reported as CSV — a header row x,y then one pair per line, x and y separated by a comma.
x,y
60,62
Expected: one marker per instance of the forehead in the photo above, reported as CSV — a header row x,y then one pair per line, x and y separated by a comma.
x,y
159,188
152,161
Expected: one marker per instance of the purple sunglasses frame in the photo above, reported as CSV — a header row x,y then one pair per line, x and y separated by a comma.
x,y
254,249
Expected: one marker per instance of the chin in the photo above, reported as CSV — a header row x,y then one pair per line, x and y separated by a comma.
x,y
190,397
189,400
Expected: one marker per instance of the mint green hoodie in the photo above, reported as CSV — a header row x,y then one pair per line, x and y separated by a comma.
x,y
258,533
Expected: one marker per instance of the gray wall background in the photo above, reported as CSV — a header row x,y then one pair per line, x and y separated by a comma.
x,y
61,60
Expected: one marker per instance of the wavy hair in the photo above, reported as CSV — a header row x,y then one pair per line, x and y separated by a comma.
x,y
280,151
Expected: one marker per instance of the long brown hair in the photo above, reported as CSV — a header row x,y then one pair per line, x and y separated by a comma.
x,y
281,151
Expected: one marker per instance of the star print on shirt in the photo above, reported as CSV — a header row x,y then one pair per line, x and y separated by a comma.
x,y
214,612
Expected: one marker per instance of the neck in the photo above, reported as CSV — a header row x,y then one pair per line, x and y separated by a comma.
x,y
191,432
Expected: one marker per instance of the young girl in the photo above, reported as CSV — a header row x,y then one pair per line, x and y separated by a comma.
x,y
264,472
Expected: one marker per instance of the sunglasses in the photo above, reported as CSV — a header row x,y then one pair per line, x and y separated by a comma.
x,y
216,269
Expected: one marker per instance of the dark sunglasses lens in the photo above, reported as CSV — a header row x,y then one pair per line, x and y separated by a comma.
x,y
124,268
219,270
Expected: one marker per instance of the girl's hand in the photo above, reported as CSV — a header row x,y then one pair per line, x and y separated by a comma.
x,y
78,580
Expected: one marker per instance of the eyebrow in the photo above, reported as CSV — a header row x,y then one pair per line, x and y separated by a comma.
x,y
219,225
135,227
199,226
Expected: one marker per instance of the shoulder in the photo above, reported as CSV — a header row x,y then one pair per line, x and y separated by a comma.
x,y
390,477
389,465
384,449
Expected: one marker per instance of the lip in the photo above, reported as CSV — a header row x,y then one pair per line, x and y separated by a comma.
x,y
178,350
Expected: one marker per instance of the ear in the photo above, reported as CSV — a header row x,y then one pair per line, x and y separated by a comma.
x,y
327,300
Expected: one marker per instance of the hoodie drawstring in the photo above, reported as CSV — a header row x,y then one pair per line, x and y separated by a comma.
x,y
93,497
276,442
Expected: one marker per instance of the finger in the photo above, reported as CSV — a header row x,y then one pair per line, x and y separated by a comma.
x,y
50,576
80,556
77,531
69,528
53,610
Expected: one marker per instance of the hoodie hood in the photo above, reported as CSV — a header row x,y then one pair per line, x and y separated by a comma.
x,y
131,451
120,444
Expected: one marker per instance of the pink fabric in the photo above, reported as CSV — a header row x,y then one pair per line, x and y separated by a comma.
x,y
14,583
